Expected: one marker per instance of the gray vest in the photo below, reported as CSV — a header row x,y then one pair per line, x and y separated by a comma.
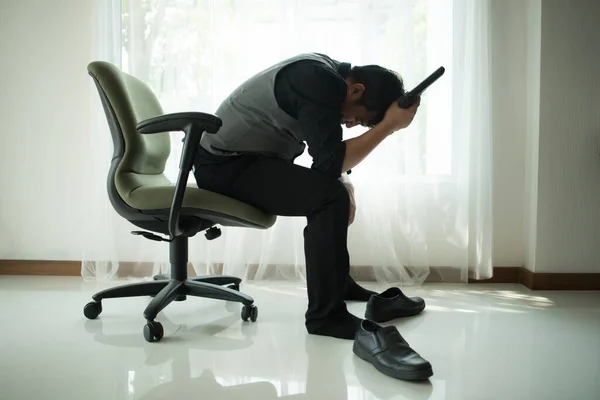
x,y
254,123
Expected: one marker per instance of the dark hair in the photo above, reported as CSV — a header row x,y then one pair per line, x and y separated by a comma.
x,y
382,87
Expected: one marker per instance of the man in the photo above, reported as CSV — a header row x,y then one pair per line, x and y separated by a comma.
x,y
266,122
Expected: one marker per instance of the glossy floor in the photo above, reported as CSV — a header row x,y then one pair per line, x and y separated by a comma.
x,y
484,342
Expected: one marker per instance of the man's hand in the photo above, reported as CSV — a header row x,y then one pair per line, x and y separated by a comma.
x,y
397,118
359,147
350,188
352,210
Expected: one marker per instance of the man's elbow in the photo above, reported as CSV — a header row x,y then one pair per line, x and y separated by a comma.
x,y
328,169
330,163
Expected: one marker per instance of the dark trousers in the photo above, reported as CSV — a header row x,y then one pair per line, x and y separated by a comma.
x,y
279,187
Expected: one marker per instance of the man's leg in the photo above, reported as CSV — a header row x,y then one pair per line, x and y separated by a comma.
x,y
281,188
356,292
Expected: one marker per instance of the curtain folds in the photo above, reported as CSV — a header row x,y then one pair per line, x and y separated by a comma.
x,y
423,196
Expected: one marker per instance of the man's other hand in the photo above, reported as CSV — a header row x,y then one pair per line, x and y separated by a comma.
x,y
352,211
350,188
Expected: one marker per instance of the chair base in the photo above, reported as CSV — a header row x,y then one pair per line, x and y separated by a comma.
x,y
175,288
232,282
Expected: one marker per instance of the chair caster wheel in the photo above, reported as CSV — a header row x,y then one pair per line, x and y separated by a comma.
x,y
250,312
153,331
92,309
234,286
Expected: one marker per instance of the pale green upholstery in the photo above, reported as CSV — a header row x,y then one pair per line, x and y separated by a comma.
x,y
138,176
140,192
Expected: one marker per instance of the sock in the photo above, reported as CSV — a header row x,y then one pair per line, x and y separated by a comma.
x,y
356,292
341,327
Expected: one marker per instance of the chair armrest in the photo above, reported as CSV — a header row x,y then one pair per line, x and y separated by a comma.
x,y
193,124
179,122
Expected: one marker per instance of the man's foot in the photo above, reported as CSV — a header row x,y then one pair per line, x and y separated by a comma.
x,y
343,326
355,292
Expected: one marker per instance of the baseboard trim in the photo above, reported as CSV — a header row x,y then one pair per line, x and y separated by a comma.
x,y
521,275
554,281
40,267
544,280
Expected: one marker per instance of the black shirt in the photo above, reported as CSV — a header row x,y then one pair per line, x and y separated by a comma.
x,y
313,94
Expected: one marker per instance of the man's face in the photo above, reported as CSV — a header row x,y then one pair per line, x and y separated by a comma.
x,y
353,113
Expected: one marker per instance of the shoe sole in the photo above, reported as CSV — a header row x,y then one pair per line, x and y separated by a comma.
x,y
391,317
419,375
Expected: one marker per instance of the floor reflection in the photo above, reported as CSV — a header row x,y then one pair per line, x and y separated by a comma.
x,y
332,371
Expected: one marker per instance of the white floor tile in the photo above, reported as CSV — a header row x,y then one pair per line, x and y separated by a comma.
x,y
484,342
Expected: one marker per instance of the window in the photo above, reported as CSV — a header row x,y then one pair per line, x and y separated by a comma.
x,y
194,52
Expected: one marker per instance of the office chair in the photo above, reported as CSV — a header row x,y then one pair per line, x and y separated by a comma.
x,y
141,193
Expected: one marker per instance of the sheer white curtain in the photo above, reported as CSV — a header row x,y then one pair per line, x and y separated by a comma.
x,y
423,197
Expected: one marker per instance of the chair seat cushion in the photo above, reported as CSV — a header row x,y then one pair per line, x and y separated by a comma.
x,y
200,202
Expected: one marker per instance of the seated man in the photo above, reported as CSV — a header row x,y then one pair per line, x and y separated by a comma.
x,y
266,123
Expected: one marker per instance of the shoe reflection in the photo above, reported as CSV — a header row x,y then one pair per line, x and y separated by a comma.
x,y
383,387
335,373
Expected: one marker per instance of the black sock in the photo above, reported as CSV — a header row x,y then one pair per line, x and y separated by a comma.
x,y
341,327
356,292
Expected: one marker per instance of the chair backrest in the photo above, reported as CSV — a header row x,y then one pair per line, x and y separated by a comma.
x,y
138,160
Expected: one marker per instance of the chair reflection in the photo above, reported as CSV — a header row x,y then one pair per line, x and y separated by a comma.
x,y
325,376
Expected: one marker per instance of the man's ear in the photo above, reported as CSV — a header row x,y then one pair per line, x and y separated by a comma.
x,y
356,90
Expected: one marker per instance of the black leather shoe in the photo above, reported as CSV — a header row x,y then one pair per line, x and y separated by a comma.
x,y
387,350
393,304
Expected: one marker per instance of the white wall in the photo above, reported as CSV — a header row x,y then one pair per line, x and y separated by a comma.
x,y
532,133
568,221
44,110
546,58
44,83
509,60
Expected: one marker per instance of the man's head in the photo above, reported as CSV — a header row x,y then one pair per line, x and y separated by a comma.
x,y
371,90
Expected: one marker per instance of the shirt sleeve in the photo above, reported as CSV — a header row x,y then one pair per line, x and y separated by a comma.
x,y
320,93
324,136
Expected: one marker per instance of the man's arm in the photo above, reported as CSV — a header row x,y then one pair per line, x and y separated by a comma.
x,y
314,95
333,155
324,136
358,148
